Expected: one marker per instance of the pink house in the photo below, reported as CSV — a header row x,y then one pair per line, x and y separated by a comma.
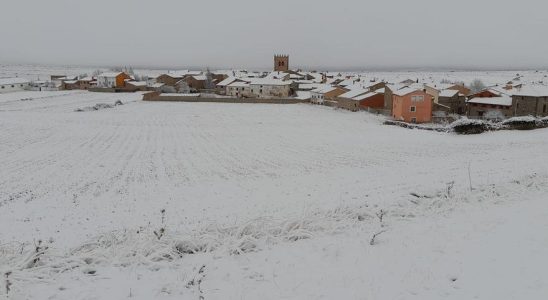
x,y
412,105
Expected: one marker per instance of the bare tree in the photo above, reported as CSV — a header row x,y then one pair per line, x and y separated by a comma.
x,y
476,86
96,73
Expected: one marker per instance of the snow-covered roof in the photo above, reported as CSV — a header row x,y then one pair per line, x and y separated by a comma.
x,y
448,93
16,80
137,83
303,95
227,81
531,91
276,75
405,91
347,82
182,73
110,74
239,84
365,96
354,93
502,100
70,81
303,81
200,77
180,95
311,86
266,81
439,86
324,89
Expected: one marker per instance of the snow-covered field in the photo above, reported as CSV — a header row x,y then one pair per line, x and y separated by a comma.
x,y
235,201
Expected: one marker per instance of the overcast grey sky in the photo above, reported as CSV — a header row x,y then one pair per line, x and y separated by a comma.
x,y
246,33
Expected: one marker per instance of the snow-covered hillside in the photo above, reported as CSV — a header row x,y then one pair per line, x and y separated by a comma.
x,y
235,201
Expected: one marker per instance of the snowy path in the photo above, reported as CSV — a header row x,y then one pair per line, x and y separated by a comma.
x,y
71,176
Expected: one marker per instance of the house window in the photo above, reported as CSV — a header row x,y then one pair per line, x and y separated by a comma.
x,y
413,120
12,86
413,109
544,109
417,98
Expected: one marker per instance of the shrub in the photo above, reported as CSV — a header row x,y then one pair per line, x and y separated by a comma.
x,y
469,126
521,123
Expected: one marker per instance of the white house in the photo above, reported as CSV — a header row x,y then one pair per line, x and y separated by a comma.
x,y
13,84
238,89
112,79
266,88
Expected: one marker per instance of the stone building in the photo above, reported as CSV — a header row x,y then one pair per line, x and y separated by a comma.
x,y
326,93
281,63
453,100
490,104
270,88
530,101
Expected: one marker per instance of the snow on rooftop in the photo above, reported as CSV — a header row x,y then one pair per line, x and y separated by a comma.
x,y
531,91
504,100
227,81
266,81
110,74
200,77
239,84
303,95
365,96
354,93
405,91
17,80
448,93
137,83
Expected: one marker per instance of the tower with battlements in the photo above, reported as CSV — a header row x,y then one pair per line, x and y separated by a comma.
x,y
281,63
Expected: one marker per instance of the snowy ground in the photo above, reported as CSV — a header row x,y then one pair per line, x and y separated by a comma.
x,y
262,201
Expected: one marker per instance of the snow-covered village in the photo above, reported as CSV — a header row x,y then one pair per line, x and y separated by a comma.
x,y
271,173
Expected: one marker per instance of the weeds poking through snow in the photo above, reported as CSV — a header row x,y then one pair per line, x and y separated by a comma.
x,y
372,241
8,282
197,282
380,214
34,258
160,233
449,190
470,176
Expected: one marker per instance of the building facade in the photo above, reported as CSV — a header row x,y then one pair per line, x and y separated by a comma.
x,y
412,106
13,84
281,63
112,80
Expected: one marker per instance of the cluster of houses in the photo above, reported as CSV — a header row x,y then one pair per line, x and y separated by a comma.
x,y
408,101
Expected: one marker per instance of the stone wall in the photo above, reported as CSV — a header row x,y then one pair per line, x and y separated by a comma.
x,y
530,106
173,98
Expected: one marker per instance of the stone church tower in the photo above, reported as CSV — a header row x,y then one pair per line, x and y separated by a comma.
x,y
281,63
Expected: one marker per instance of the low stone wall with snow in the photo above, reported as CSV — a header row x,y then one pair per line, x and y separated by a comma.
x,y
474,126
186,98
